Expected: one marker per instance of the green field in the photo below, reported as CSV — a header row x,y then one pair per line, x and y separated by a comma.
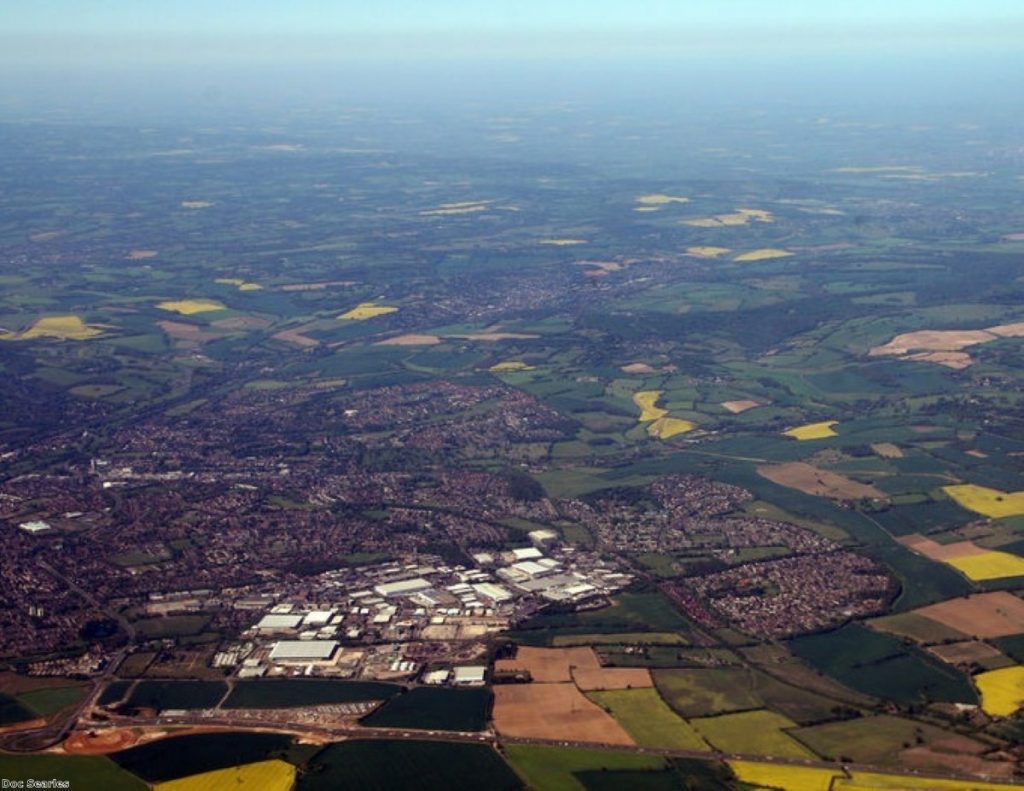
x,y
83,771
873,740
752,733
162,695
13,711
556,768
50,700
680,773
434,708
645,717
182,756
700,692
407,765
881,665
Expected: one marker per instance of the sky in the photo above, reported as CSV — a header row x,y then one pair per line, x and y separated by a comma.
x,y
38,32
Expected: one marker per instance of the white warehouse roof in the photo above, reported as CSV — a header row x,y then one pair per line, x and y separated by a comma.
x,y
271,622
402,587
299,650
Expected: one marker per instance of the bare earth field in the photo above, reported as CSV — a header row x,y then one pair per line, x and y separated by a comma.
x,y
548,665
822,483
969,653
995,614
739,406
944,346
100,742
411,339
553,711
941,552
935,758
189,333
591,679
140,255
638,368
242,323
887,450
296,337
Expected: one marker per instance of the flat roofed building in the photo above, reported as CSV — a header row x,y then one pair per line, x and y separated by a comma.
x,y
279,622
35,526
526,553
532,568
318,618
402,587
470,675
492,591
303,650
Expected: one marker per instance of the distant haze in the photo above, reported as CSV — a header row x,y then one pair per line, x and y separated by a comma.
x,y
93,53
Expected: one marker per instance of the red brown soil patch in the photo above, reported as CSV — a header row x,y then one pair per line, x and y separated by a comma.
x,y
967,653
189,333
591,679
995,614
822,483
550,664
297,338
242,323
100,742
1008,330
941,552
412,339
955,360
26,725
638,368
553,711
931,341
927,758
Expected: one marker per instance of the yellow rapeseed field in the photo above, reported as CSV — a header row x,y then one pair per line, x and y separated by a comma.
x,y
790,778
65,328
510,365
992,565
1002,691
707,252
738,217
366,310
187,307
242,285
262,776
804,778
658,199
763,254
874,781
989,502
666,427
813,430
646,400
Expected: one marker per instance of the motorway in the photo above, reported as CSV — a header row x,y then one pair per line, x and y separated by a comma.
x,y
340,731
